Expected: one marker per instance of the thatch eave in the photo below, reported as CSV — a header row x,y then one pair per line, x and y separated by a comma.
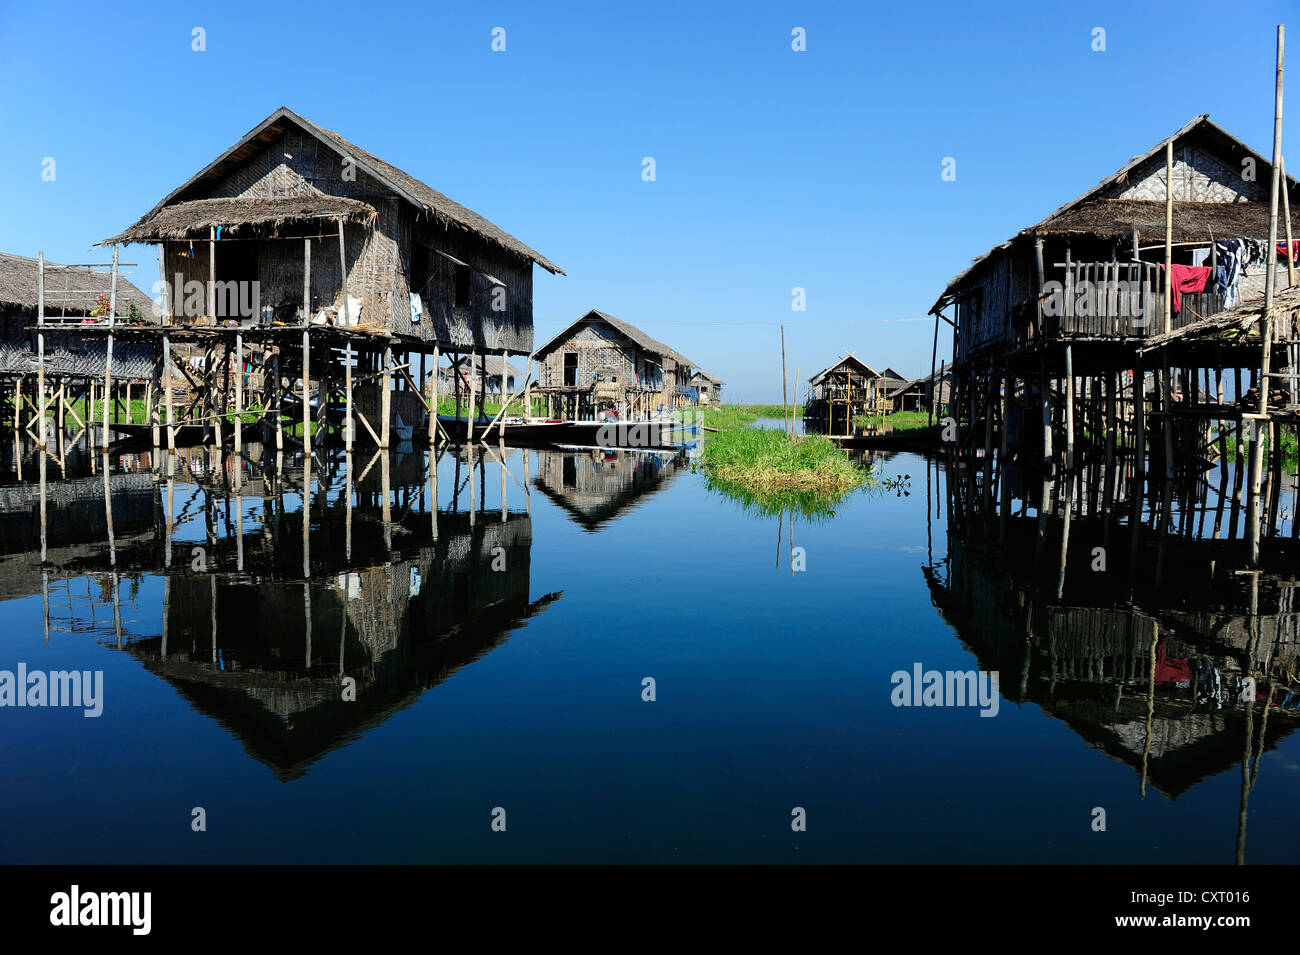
x,y
193,219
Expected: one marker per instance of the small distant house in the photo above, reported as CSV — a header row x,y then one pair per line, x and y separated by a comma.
x,y
836,394
602,363
491,373
922,394
708,389
890,381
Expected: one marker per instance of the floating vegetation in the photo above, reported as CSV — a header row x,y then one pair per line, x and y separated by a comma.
x,y
773,471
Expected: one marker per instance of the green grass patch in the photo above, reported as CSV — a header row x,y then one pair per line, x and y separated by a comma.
x,y
731,417
898,421
772,471
1290,448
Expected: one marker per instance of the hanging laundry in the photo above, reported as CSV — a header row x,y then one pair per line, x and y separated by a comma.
x,y
1191,279
1199,256
417,308
1295,250
1236,255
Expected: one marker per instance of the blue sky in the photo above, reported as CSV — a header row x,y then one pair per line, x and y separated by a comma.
x,y
775,169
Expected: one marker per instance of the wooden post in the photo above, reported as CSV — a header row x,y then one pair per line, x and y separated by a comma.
x,y
343,271
239,391
277,396
1167,403
784,400
433,406
934,354
1140,423
108,356
1266,329
166,385
59,420
1045,400
40,353
469,421
1038,261
1069,408
348,423
1286,214
386,398
1169,228
306,344
212,274
151,406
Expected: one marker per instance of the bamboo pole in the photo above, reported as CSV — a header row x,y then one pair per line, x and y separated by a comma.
x,y
1069,408
40,345
306,344
386,397
349,425
343,271
167,393
469,420
1169,227
433,410
212,274
239,392
1286,215
1266,332
108,356
784,399
277,393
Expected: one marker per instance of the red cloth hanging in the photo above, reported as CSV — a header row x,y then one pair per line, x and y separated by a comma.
x,y
1187,278
1295,250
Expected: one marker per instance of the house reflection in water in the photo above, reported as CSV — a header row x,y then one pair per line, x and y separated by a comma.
x,y
299,635
1160,650
596,485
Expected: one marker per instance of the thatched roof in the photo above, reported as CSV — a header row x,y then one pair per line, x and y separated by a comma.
x,y
923,380
1116,218
68,290
492,363
713,378
423,197
631,331
68,354
185,220
863,367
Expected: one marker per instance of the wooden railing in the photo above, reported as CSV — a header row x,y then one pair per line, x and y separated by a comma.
x,y
1117,300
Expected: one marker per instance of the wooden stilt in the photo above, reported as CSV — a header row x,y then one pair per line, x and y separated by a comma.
x,y
40,349
239,392
108,357
1266,325
469,423
348,424
433,410
386,398
1069,408
306,342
